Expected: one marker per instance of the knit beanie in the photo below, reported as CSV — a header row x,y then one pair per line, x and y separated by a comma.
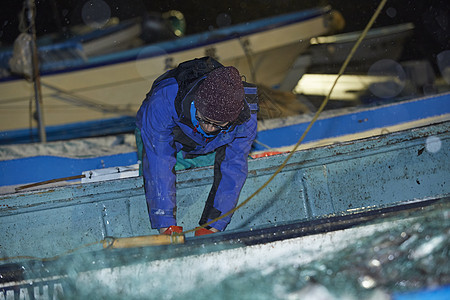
x,y
220,97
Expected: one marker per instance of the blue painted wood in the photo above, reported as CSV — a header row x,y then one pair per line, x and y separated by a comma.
x,y
337,179
70,131
362,120
436,293
47,168
42,168
356,122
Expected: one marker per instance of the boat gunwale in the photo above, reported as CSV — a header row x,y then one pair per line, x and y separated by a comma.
x,y
132,187
239,238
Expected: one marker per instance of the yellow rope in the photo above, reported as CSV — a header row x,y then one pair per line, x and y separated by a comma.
x,y
321,108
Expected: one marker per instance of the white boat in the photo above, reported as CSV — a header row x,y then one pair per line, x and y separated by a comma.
x,y
115,84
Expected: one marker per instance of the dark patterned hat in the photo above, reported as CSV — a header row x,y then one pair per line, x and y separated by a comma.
x,y
220,97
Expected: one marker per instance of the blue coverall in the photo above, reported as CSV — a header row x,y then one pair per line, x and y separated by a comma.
x,y
166,131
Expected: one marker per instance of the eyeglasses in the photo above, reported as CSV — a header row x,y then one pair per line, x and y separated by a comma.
x,y
222,126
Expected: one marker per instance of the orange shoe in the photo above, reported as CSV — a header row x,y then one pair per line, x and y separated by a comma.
x,y
202,231
173,229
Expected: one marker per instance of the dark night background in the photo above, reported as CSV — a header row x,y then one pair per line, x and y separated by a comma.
x,y
430,17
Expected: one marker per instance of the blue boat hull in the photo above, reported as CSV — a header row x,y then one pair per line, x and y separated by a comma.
x,y
326,200
336,179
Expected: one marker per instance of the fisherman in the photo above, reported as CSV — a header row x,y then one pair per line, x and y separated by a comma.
x,y
197,116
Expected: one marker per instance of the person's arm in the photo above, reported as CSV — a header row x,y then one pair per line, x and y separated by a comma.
x,y
230,173
159,156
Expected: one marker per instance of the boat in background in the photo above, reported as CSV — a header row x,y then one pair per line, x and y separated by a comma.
x,y
62,159
115,84
327,54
